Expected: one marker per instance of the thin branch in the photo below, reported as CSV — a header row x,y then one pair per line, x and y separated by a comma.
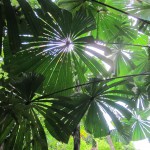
x,y
100,80
119,10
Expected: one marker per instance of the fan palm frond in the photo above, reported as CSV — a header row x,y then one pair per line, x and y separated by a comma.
x,y
58,52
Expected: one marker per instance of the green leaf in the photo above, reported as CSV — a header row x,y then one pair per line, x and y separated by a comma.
x,y
119,108
51,57
20,136
49,6
95,122
32,19
7,128
114,118
13,33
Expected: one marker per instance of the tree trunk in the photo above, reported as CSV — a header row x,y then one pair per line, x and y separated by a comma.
x,y
109,140
1,28
2,147
76,137
94,145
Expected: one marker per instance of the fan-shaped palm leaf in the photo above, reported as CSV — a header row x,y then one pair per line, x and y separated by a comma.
x,y
103,104
140,9
21,125
98,103
141,98
141,60
122,58
58,52
110,25
140,126
123,138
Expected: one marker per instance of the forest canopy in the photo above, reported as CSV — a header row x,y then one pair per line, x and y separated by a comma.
x,y
69,62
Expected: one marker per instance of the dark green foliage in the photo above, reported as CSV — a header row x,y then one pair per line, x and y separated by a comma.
x,y
51,56
13,32
31,18
65,47
21,125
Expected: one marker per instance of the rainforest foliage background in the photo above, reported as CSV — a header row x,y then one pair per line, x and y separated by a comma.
x,y
71,67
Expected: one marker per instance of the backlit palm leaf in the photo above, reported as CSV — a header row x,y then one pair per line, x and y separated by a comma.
x,y
141,59
103,97
140,126
96,105
122,58
140,9
58,52
141,98
109,24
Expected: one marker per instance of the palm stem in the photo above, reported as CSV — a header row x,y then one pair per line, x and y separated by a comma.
x,y
76,137
136,45
110,142
100,80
